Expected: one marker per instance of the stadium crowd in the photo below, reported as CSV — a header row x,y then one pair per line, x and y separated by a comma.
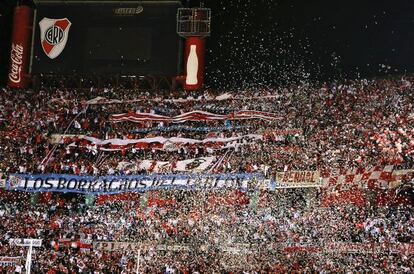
x,y
357,124
210,233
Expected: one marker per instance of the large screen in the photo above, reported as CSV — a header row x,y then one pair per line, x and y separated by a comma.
x,y
127,38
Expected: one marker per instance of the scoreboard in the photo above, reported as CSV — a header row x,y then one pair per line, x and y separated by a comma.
x,y
105,37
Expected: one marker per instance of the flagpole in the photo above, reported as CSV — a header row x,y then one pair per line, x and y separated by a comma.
x,y
29,258
138,260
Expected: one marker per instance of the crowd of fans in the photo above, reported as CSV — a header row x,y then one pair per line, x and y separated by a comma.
x,y
357,124
243,233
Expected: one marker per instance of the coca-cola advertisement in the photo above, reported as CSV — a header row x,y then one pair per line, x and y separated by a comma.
x,y
20,47
194,60
16,58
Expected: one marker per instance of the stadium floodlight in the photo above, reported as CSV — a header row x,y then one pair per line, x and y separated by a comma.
x,y
29,243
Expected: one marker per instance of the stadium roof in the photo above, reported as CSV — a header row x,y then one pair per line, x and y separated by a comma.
x,y
148,2
106,1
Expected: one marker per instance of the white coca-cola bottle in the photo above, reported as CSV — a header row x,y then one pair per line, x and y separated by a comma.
x,y
192,66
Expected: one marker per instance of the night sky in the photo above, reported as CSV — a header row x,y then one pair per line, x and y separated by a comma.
x,y
261,43
282,42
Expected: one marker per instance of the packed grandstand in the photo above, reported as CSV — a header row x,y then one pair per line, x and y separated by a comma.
x,y
324,179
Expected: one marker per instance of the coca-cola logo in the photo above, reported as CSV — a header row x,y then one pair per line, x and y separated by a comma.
x,y
16,57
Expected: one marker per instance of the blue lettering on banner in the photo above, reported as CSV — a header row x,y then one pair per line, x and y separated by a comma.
x,y
129,183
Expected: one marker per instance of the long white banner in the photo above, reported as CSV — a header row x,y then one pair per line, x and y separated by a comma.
x,y
159,143
134,246
25,242
137,183
196,115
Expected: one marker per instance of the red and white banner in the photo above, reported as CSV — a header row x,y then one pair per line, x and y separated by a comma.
x,y
366,177
190,165
102,100
345,186
225,96
69,243
173,143
197,115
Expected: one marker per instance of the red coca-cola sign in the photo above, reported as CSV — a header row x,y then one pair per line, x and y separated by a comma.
x,y
16,58
194,63
20,53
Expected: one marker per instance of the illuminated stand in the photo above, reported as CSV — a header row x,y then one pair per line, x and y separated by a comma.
x,y
29,243
193,24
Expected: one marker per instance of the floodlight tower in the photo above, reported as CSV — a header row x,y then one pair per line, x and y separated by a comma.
x,y
193,24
